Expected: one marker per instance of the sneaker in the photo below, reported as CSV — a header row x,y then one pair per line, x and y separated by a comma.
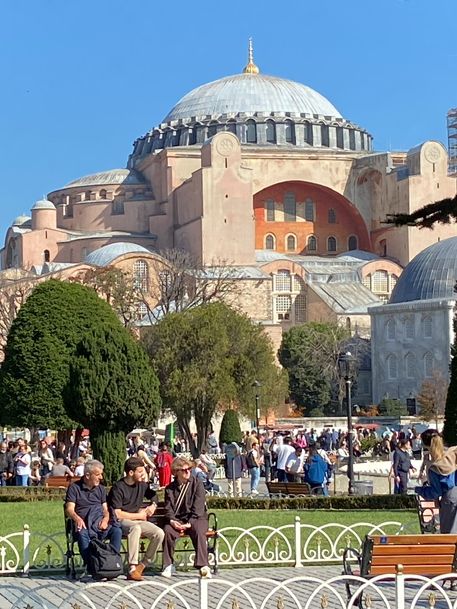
x,y
205,572
168,571
254,492
135,573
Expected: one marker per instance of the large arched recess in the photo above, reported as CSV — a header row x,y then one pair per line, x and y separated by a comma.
x,y
348,220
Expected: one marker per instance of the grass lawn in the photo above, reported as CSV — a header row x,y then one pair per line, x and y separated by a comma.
x,y
47,517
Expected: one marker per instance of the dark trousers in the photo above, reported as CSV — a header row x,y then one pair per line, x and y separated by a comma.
x,y
282,476
197,534
113,534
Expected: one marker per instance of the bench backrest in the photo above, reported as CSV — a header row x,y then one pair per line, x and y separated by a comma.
x,y
418,554
60,481
288,488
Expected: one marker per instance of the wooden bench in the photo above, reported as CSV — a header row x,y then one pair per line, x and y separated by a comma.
x,y
289,489
159,519
428,511
428,555
60,481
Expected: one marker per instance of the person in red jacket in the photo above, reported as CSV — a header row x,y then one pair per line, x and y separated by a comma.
x,y
163,462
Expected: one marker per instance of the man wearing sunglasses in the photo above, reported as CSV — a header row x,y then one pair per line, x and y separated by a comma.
x,y
185,511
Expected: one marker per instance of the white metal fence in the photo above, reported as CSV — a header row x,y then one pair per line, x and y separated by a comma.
x,y
396,591
294,544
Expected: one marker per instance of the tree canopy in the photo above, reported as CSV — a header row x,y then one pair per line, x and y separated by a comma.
x,y
207,357
40,345
309,353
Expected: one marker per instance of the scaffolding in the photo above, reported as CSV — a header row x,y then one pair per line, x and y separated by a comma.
x,y
452,141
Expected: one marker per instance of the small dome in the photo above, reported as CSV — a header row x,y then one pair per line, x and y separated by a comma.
x,y
20,220
44,204
112,176
430,274
106,254
251,93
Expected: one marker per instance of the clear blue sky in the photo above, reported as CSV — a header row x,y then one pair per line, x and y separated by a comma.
x,y
81,79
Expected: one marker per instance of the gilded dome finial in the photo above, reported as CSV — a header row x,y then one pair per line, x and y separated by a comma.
x,y
251,68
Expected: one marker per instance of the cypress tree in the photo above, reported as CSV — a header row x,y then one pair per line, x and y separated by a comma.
x,y
230,428
450,410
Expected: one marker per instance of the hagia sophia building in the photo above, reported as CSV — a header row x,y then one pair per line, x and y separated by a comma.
x,y
263,174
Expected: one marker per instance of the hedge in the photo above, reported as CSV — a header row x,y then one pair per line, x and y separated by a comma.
x,y
335,502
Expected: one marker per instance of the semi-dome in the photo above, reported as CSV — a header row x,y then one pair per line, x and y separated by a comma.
x,y
44,204
430,274
20,220
106,254
251,93
112,176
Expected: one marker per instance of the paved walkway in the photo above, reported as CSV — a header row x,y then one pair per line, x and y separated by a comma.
x,y
271,588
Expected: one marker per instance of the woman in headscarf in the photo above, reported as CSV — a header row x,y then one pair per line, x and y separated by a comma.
x,y
441,479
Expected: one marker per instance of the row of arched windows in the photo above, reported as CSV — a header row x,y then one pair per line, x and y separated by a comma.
x,y
409,329
308,212
311,243
411,365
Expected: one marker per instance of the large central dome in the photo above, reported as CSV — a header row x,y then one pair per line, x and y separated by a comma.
x,y
251,93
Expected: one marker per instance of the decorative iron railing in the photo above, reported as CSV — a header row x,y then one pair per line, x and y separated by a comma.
x,y
395,591
292,544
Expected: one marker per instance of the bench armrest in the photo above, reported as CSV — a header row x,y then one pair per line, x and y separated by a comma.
x,y
212,521
347,568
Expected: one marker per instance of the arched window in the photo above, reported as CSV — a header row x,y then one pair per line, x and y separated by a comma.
x,y
308,134
331,216
212,129
270,208
393,281
339,137
283,281
390,329
289,131
291,243
192,135
300,308
409,328
312,243
309,210
428,365
46,256
392,368
251,132
102,194
140,275
367,281
270,242
351,139
290,207
331,244
379,283
410,365
271,132
231,126
352,243
283,305
427,327
325,139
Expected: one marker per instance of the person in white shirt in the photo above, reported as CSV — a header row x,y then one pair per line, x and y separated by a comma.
x,y
283,452
22,464
294,465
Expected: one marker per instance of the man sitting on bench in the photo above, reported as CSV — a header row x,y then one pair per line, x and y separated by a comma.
x,y
85,504
185,512
126,499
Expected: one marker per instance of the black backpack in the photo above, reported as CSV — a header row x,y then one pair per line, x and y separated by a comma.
x,y
104,561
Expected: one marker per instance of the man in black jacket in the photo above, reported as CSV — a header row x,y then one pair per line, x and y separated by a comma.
x,y
6,464
185,511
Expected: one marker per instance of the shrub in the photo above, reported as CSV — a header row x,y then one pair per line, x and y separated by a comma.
x,y
230,428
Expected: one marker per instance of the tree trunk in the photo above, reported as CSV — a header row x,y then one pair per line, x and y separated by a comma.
x,y
74,451
184,428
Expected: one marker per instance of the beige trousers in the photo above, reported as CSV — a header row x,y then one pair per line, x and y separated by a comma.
x,y
135,530
237,487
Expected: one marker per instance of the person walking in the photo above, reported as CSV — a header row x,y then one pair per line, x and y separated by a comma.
x,y
401,466
233,468
253,461
163,462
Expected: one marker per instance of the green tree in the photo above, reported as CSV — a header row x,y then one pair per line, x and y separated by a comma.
x,y
207,357
112,389
40,345
392,408
309,353
230,428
